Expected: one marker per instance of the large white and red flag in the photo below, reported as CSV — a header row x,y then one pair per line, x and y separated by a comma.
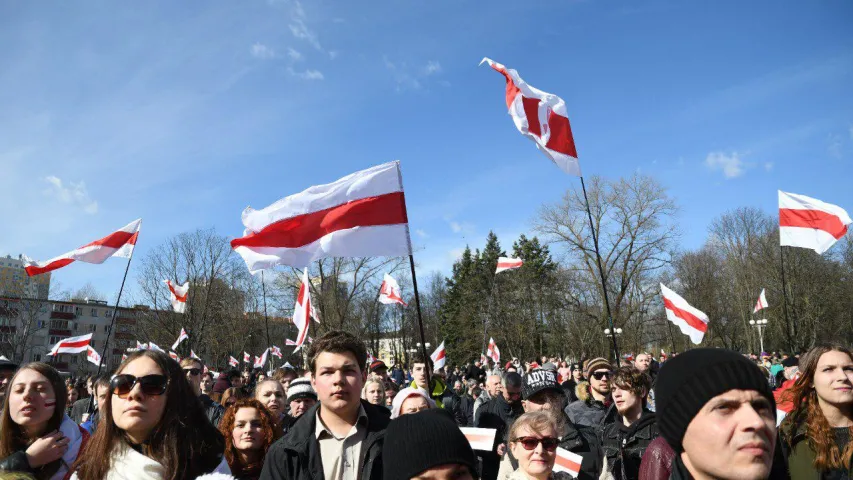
x,y
506,263
360,215
181,337
117,244
568,462
93,356
233,361
71,345
493,352
302,311
762,302
389,291
692,321
179,295
480,438
262,360
541,117
439,357
806,222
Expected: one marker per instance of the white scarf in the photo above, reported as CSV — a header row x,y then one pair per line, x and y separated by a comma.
x,y
128,464
75,440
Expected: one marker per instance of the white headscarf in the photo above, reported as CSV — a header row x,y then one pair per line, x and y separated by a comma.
x,y
406,393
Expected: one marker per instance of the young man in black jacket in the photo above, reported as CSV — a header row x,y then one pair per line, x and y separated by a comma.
x,y
342,436
193,368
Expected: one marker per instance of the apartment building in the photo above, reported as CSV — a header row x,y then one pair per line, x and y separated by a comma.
x,y
14,281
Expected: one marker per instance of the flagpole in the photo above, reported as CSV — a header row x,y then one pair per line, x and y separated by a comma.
x,y
266,319
420,321
491,311
601,274
793,331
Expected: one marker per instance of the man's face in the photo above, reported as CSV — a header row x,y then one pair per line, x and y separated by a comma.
x,y
512,394
599,381
545,400
338,381
453,471
90,387
236,381
493,385
577,374
5,378
389,396
300,406
419,374
732,437
103,392
643,362
459,388
193,373
625,400
286,379
206,384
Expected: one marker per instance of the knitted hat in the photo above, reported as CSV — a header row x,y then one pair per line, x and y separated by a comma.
x,y
417,442
300,388
687,382
790,362
405,393
595,364
538,381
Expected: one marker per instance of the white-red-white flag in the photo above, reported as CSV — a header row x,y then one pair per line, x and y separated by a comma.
x,y
141,346
762,302
806,222
174,356
181,337
275,351
93,356
117,244
360,215
123,357
541,117
154,346
493,352
691,321
292,343
568,462
262,360
480,438
506,263
439,357
179,295
302,310
233,361
246,357
389,291
71,345
193,355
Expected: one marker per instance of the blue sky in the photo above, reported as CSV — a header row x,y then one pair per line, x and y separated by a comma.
x,y
184,113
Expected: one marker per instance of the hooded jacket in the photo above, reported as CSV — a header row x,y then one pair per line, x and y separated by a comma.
x,y
624,446
297,455
586,410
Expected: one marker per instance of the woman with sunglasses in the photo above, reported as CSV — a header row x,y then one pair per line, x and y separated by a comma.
x,y
36,437
249,430
533,441
232,395
152,427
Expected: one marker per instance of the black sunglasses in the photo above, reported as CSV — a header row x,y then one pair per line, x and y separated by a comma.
x,y
192,371
153,385
529,443
600,375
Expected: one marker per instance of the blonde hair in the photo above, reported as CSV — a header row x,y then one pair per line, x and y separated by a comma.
x,y
374,379
538,422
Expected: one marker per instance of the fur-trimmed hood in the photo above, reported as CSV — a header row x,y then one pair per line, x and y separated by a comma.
x,y
582,391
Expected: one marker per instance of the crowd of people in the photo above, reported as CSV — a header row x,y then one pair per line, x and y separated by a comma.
x,y
705,413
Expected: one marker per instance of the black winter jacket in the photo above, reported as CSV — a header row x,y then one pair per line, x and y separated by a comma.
x,y
466,411
297,455
213,410
625,446
497,413
16,462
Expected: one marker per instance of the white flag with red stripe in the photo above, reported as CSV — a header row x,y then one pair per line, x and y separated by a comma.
x,y
71,345
233,361
174,356
275,351
389,292
762,302
541,117
117,244
506,263
493,352
93,356
193,355
806,222
262,360
439,357
292,343
302,310
181,337
360,215
480,438
246,357
179,296
141,346
691,321
154,346
568,462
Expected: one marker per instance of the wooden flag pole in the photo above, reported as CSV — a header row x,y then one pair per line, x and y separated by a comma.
x,y
601,274
420,322
266,319
793,331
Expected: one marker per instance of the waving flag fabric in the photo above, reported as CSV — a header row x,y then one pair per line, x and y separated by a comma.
x,y
233,361
389,291
541,117
179,295
493,352
174,356
360,215
246,357
275,351
806,222
568,462
141,346
154,346
439,357
193,355
506,263
117,244
302,311
93,356
762,302
292,343
262,360
181,337
691,321
72,345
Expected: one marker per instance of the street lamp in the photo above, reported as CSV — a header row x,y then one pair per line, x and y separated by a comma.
x,y
615,332
760,325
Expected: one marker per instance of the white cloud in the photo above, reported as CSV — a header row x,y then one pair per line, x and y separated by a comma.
x,y
731,165
421,233
261,51
294,54
74,194
302,32
464,228
432,67
768,166
309,74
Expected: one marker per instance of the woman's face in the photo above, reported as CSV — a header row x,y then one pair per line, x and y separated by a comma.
x,y
73,396
389,397
248,430
137,413
375,393
272,396
833,378
413,404
32,400
538,461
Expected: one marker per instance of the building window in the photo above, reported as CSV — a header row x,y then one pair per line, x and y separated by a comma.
x,y
78,311
94,312
108,313
37,357
94,328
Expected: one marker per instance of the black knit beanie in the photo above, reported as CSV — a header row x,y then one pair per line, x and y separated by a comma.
x,y
419,441
688,381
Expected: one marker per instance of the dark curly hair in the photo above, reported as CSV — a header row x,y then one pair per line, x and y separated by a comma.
x,y
270,431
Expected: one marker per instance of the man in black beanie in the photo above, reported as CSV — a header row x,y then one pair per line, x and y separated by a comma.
x,y
716,410
427,445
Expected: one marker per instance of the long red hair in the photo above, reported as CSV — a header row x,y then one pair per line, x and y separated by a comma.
x,y
269,429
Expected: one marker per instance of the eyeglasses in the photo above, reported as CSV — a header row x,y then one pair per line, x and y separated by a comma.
x,y
192,371
153,385
600,375
549,444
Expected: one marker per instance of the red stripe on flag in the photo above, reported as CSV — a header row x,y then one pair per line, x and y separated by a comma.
x,y
818,219
387,209
531,111
115,240
36,270
440,355
561,139
511,90
77,344
688,317
567,463
509,264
